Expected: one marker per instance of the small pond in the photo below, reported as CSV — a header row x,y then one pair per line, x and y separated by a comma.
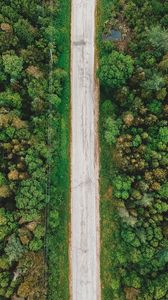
x,y
114,35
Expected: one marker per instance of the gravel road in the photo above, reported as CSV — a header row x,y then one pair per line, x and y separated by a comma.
x,y
85,281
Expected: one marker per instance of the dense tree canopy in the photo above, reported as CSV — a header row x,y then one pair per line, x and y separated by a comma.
x,y
134,141
30,96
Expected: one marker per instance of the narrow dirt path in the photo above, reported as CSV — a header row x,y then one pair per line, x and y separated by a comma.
x,y
85,274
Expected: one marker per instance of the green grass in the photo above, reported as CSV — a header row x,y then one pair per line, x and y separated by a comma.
x,y
107,225
58,261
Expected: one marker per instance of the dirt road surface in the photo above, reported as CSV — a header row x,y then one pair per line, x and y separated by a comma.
x,y
84,260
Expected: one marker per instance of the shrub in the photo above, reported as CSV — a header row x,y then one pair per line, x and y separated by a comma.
x,y
53,219
112,130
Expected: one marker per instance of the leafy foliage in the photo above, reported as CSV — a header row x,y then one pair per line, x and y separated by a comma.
x,y
30,195
122,187
31,135
158,38
14,250
134,185
112,130
13,65
115,69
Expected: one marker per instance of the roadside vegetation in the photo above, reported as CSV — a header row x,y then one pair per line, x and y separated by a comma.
x,y
34,155
133,73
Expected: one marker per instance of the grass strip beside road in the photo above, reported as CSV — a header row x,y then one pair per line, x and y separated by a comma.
x,y
58,262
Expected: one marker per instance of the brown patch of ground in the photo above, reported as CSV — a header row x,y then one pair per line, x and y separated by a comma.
x,y
131,293
108,194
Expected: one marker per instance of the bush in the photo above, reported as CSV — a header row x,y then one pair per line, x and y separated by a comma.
x,y
112,130
53,219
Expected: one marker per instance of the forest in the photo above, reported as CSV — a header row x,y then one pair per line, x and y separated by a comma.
x,y
34,126
133,74
132,42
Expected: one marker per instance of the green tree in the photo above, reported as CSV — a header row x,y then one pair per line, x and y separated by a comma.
x,y
155,107
132,280
14,250
161,286
158,38
163,134
4,282
115,69
155,83
164,191
36,244
122,187
4,263
13,65
7,224
137,141
10,99
31,194
24,31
